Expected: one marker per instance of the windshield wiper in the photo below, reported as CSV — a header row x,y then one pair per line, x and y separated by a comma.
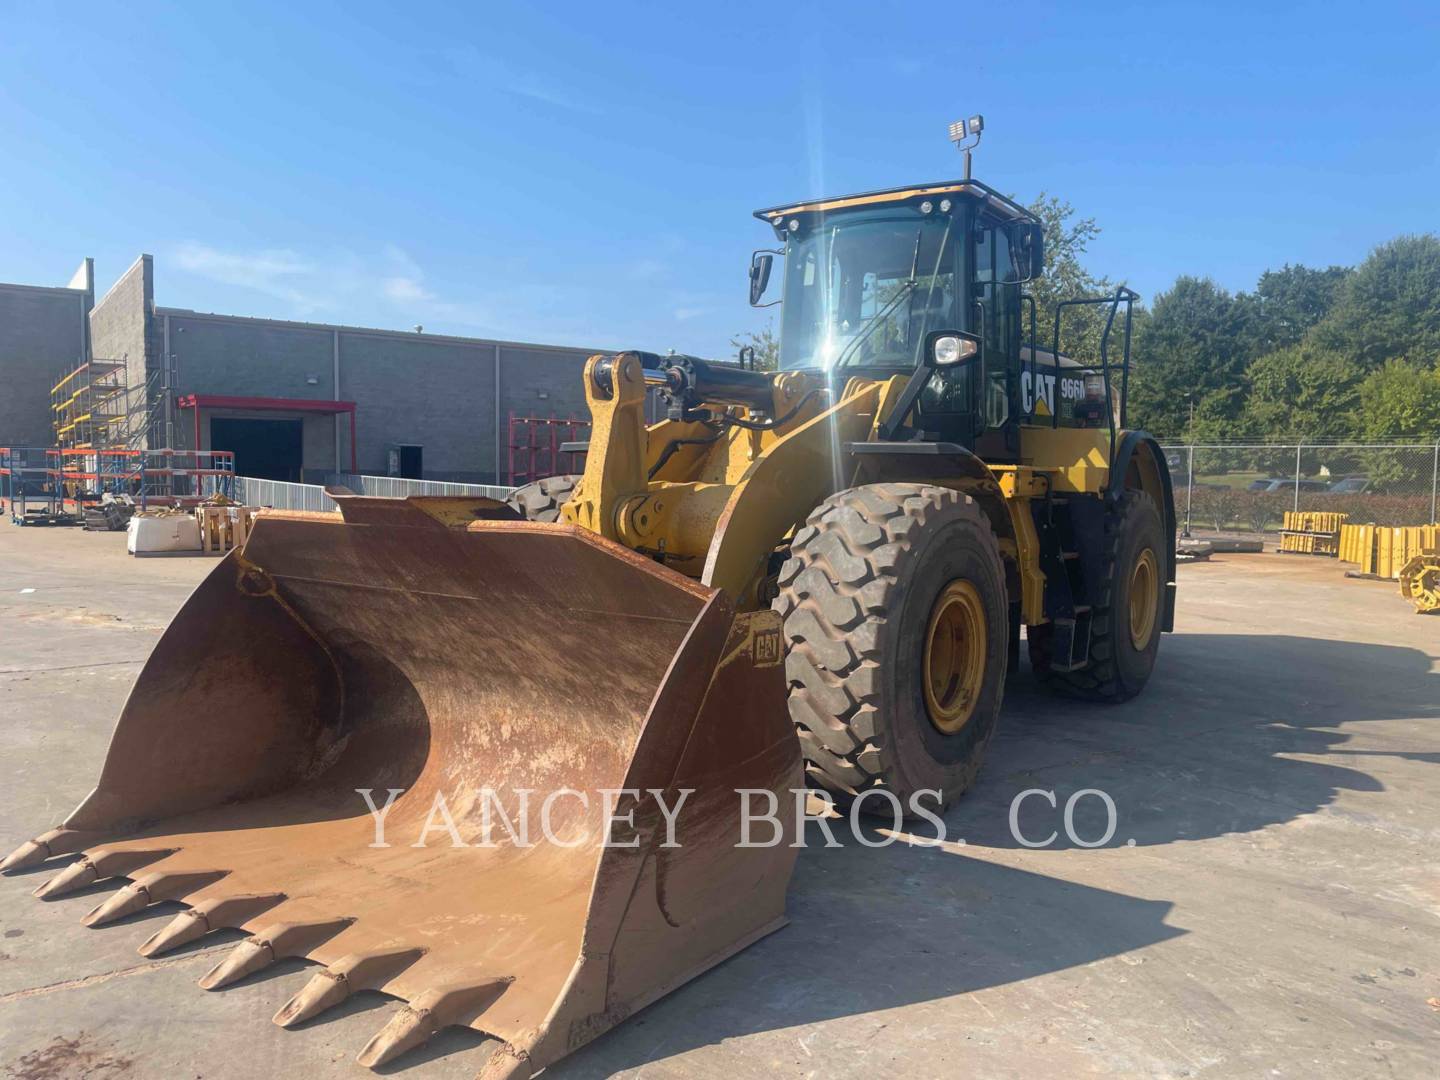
x,y
868,327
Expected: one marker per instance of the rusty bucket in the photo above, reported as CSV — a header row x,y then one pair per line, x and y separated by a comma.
x,y
336,676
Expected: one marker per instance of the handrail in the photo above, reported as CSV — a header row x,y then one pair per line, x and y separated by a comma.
x,y
1128,296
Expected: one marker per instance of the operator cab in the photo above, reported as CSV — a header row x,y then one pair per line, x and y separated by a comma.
x,y
872,280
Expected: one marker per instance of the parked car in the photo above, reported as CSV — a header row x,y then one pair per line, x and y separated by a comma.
x,y
1350,485
1274,484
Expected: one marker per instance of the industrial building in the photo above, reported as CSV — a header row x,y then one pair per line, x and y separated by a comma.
x,y
293,401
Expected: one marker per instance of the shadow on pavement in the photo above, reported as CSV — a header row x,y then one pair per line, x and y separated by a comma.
x,y
1216,745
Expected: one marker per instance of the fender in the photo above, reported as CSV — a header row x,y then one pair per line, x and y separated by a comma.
x,y
940,462
1139,450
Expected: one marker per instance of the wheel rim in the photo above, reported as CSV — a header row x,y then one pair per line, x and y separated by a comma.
x,y
1144,590
955,649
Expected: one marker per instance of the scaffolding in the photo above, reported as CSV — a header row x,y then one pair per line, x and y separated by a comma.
x,y
89,406
53,485
542,446
30,491
182,477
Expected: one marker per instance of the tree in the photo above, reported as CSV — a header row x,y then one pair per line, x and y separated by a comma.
x,y
765,344
1389,308
1302,392
1287,302
1191,350
1401,401
1066,278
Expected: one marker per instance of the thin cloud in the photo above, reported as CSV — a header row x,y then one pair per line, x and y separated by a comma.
x,y
273,271
406,290
338,282
477,67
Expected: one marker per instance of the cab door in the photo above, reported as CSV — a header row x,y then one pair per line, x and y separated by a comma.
x,y
996,300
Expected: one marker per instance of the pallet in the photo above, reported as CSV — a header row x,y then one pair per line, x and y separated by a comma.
x,y
224,527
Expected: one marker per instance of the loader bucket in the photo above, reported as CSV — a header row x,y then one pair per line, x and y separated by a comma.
x,y
504,671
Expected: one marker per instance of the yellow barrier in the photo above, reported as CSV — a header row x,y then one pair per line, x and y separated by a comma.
x,y
1381,550
1314,521
1312,532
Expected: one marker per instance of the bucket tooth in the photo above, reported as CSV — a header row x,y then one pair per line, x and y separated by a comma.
x,y
348,975
269,945
149,889
325,990
97,866
74,877
246,958
413,1025
214,914
507,1063
45,846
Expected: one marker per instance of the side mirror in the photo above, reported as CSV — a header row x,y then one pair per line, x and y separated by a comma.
x,y
1029,251
950,348
761,263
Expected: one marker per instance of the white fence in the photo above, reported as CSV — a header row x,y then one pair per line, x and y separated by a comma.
x,y
393,487
283,496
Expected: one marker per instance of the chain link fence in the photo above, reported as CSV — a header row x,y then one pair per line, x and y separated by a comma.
x,y
1247,487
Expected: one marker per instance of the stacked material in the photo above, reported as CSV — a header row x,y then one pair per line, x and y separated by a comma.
x,y
1382,550
1312,532
111,514
223,526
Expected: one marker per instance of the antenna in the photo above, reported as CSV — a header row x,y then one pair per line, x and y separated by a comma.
x,y
961,130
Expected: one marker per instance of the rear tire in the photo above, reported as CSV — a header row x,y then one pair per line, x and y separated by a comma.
x,y
1122,654
542,499
875,577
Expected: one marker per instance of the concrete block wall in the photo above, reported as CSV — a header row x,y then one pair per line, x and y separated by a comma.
x,y
122,328
425,390
42,336
437,391
248,357
431,390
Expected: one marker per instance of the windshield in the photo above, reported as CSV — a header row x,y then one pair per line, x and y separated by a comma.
x,y
849,296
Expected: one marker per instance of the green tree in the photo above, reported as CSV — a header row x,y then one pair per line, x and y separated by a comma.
x,y
1192,351
766,345
1401,401
1287,302
1067,238
1389,308
1302,392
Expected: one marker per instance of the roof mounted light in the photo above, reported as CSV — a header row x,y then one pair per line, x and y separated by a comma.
x,y
961,130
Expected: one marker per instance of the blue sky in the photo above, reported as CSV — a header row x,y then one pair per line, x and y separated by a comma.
x,y
585,173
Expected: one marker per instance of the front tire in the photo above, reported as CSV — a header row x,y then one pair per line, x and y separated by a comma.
x,y
1126,616
896,625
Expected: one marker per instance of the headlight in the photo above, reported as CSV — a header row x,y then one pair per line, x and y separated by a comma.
x,y
951,350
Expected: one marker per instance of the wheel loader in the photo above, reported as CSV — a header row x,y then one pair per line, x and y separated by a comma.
x,y
813,577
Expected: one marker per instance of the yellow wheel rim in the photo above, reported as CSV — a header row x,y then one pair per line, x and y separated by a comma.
x,y
1144,592
955,649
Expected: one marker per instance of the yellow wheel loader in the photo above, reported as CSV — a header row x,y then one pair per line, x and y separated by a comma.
x,y
809,577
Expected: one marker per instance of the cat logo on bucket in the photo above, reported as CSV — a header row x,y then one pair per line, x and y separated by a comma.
x,y
769,648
